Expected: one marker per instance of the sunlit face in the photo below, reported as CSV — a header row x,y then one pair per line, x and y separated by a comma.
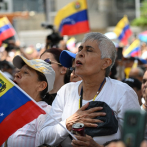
x,y
88,60
55,66
27,79
73,76
144,85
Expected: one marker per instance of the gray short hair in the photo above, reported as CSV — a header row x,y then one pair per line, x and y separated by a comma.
x,y
105,45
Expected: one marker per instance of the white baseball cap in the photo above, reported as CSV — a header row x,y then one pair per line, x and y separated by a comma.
x,y
39,65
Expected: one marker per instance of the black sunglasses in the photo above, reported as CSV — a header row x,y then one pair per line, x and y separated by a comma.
x,y
51,62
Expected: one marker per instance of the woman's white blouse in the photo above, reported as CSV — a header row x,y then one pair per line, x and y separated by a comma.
x,y
119,96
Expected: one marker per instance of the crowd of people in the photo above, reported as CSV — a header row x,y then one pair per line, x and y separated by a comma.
x,y
72,89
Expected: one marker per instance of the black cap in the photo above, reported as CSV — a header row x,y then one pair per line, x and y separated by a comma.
x,y
132,82
109,125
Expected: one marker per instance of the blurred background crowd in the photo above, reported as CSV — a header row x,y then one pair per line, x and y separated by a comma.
x,y
30,27
36,28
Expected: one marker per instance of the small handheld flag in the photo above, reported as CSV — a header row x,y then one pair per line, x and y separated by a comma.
x,y
17,108
133,50
6,29
122,30
73,19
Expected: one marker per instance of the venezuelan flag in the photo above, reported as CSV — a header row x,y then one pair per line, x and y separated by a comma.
x,y
133,50
6,29
122,30
71,43
16,108
73,18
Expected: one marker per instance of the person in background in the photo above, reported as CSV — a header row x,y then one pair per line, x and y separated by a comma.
x,y
52,40
113,72
94,60
136,73
144,92
61,76
36,78
73,76
7,68
136,85
70,64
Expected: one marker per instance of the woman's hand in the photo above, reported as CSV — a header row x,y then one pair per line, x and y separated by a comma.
x,y
84,141
85,117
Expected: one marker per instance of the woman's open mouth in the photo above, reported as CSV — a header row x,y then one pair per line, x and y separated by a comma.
x,y
78,63
15,82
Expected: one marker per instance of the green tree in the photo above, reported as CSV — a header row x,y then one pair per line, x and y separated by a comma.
x,y
142,21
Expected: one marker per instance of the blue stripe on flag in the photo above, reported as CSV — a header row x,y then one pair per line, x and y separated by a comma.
x,y
123,32
4,28
10,101
134,50
75,18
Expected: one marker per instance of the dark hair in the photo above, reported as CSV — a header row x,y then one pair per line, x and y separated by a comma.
x,y
56,53
45,96
113,72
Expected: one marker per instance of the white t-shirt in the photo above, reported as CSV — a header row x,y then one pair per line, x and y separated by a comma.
x,y
119,96
25,136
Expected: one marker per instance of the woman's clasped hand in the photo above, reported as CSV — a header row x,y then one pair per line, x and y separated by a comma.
x,y
85,116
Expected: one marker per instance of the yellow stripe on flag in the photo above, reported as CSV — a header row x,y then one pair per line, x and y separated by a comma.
x,y
120,25
4,21
69,10
131,47
5,85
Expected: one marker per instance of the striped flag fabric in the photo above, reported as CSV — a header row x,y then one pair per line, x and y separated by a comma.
x,y
73,18
6,29
123,31
17,108
133,50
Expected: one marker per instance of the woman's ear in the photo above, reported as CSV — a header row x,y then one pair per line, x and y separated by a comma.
x,y
42,85
107,63
63,70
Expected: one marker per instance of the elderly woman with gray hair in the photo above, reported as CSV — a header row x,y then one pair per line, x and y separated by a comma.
x,y
94,60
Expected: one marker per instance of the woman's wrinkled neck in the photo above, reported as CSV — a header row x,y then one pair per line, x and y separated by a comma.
x,y
91,84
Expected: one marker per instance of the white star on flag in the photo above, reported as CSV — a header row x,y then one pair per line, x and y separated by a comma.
x,y
1,114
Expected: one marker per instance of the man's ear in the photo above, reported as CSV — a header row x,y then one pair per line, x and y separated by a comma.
x,y
63,70
107,63
42,85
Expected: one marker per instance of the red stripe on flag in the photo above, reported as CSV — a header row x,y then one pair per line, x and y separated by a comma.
x,y
7,34
78,28
124,40
12,122
135,54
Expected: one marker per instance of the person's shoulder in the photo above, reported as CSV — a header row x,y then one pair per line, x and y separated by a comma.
x,y
119,84
44,106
